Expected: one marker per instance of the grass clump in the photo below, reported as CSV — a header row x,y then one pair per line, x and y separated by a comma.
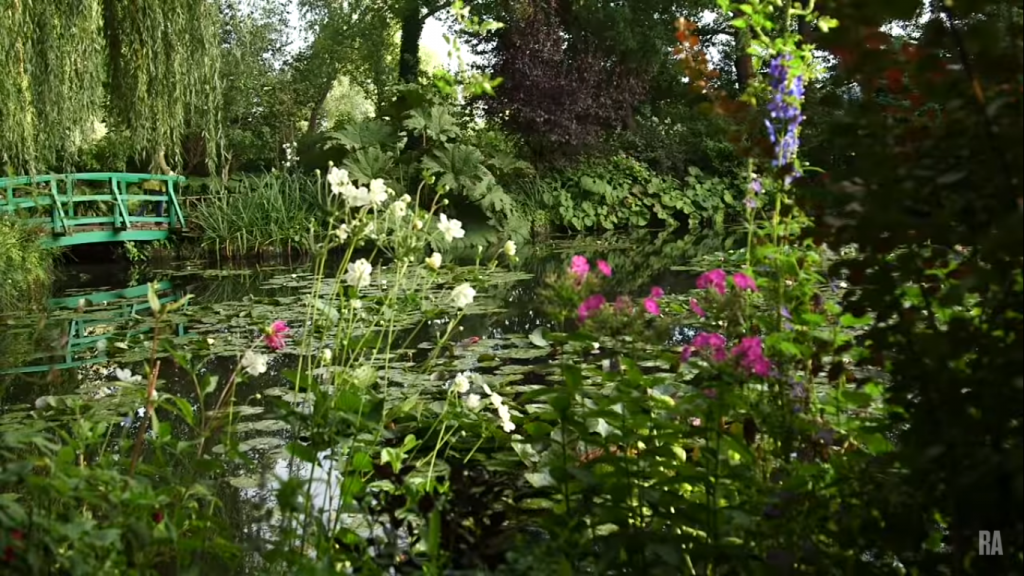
x,y
27,266
254,214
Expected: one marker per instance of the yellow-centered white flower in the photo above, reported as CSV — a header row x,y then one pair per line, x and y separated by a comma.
x,y
434,261
450,228
254,363
462,295
461,383
358,273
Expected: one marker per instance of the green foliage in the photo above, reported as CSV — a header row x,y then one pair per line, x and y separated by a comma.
x,y
252,214
677,137
620,192
27,266
258,106
150,68
436,142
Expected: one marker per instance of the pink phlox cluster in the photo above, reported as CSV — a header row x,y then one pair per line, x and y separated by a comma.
x,y
716,280
744,282
589,306
713,279
714,344
604,267
651,302
579,266
750,352
695,307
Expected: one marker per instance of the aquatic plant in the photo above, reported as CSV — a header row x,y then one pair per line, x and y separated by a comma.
x,y
27,265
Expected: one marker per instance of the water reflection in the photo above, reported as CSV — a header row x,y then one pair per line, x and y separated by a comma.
x,y
78,328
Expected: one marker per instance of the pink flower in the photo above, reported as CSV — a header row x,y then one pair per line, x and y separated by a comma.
x,y
695,306
744,282
714,279
604,267
651,305
750,352
273,336
579,266
589,306
657,292
706,340
713,343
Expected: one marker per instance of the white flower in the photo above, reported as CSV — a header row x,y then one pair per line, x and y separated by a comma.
x,y
462,295
356,304
377,186
326,355
473,401
125,375
342,232
503,413
450,228
417,224
337,179
405,198
254,363
377,194
399,208
358,273
461,383
358,197
510,248
434,261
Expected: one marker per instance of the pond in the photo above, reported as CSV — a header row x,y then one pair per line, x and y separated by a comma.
x,y
92,344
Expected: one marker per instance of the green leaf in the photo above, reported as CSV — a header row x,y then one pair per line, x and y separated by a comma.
x,y
154,300
537,338
392,456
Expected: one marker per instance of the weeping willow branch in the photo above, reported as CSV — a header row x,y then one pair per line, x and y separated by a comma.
x,y
149,68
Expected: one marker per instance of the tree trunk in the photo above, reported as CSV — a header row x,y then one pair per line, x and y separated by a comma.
x,y
409,48
744,63
315,113
159,163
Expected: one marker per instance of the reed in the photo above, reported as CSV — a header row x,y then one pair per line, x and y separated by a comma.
x,y
255,214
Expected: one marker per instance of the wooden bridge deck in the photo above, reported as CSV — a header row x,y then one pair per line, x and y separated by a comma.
x,y
94,207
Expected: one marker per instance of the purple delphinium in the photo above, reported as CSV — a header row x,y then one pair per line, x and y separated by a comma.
x,y
784,113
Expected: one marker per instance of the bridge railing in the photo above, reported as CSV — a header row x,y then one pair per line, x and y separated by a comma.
x,y
62,192
110,313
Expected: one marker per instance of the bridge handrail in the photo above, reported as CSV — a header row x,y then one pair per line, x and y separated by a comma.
x,y
131,177
63,223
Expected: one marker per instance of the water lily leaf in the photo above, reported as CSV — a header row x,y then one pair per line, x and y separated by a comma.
x,y
264,443
537,338
261,426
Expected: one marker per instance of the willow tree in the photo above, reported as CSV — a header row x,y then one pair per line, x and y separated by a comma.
x,y
148,68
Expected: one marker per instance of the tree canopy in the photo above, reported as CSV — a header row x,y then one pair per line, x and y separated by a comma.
x,y
148,68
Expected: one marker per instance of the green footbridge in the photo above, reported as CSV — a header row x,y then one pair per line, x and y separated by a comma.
x,y
81,322
96,207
